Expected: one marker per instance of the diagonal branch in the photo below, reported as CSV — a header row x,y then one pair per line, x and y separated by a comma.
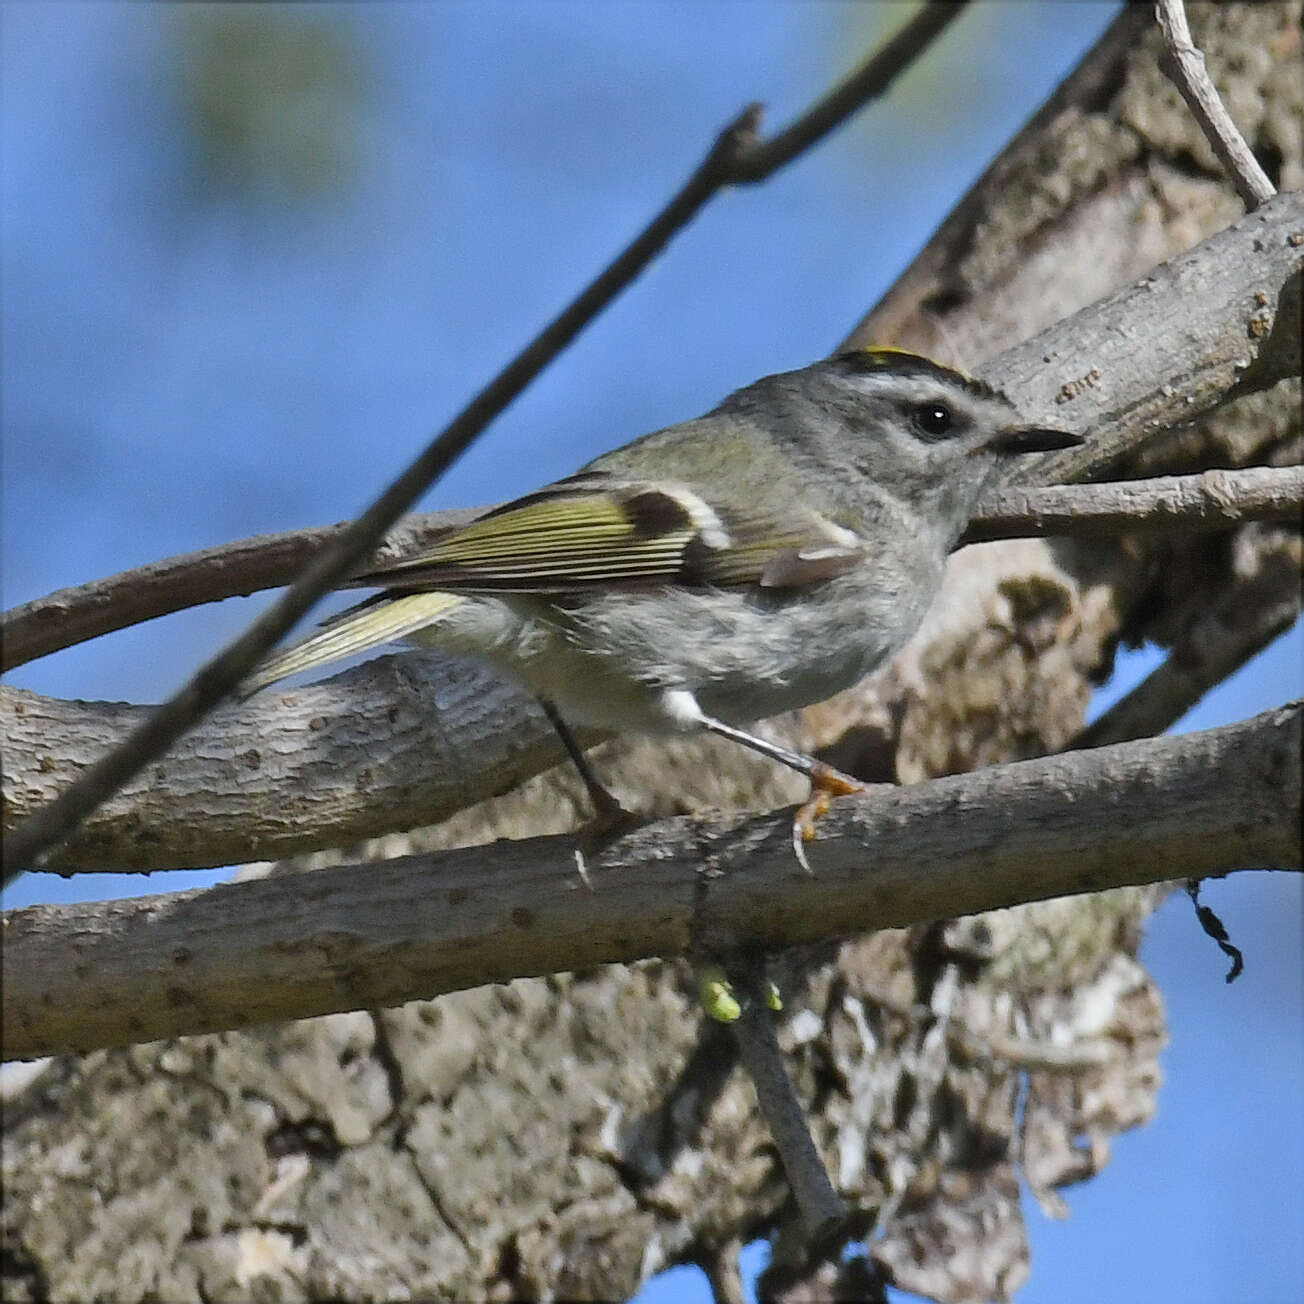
x,y
48,826
1185,65
866,83
362,937
230,570
1261,604
730,160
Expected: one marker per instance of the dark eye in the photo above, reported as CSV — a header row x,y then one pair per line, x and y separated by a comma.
x,y
932,418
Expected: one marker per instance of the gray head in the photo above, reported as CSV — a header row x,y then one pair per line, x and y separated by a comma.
x,y
901,426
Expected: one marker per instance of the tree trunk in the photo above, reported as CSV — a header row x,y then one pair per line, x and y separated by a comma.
x,y
572,1135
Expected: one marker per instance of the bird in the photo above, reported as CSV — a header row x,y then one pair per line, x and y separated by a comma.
x,y
754,560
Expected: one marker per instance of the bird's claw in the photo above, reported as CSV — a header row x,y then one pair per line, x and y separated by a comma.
x,y
825,784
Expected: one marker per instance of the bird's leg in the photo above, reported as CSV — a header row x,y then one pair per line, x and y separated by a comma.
x,y
610,815
825,782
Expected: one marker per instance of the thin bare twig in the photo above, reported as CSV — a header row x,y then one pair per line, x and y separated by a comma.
x,y
230,570
1213,500
724,1274
1236,627
1185,66
868,82
822,1212
730,160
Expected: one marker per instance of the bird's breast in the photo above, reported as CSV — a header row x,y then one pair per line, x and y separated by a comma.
x,y
743,654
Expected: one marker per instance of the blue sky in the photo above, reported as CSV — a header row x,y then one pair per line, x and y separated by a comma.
x,y
193,355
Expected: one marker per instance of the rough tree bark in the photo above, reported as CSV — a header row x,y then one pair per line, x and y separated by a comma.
x,y
576,1133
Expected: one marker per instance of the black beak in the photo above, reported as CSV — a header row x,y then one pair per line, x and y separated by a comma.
x,y
1035,439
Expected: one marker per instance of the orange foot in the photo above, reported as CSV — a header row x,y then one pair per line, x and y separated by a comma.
x,y
825,784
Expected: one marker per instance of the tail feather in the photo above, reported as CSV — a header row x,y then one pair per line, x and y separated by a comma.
x,y
372,623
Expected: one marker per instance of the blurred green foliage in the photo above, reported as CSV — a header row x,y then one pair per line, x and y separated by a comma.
x,y
271,96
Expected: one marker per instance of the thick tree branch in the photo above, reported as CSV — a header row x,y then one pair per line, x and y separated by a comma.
x,y
1185,65
401,742
735,157
1232,326
361,937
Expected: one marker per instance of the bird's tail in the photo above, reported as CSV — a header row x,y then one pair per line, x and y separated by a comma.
x,y
382,619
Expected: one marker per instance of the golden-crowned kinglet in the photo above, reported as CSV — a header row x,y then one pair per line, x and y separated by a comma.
x,y
756,560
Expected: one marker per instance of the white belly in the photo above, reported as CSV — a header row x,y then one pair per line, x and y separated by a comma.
x,y
609,661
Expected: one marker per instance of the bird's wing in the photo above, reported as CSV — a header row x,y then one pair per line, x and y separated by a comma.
x,y
589,532
596,531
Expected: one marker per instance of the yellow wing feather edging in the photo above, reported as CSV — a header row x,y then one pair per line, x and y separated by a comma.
x,y
357,630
